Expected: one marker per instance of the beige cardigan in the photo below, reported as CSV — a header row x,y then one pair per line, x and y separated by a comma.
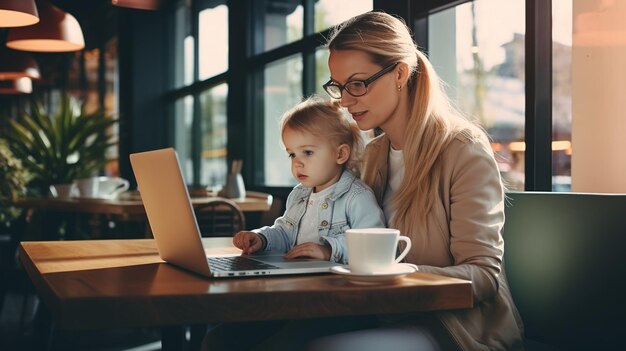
x,y
464,239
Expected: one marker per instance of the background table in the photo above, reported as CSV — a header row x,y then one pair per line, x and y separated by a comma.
x,y
91,284
254,201
100,218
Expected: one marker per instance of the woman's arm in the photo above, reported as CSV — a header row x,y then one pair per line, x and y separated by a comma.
x,y
475,215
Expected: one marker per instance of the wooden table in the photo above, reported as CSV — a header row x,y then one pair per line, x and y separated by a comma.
x,y
93,215
92,284
254,202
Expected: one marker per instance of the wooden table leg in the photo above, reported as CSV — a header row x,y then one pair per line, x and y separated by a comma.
x,y
42,329
173,338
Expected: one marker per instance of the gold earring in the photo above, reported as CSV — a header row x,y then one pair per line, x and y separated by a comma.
x,y
399,87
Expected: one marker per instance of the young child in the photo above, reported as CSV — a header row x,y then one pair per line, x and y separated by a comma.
x,y
324,147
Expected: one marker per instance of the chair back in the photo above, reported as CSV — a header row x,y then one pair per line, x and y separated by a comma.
x,y
564,262
220,218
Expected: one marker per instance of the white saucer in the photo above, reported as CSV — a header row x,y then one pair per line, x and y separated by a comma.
x,y
93,198
397,271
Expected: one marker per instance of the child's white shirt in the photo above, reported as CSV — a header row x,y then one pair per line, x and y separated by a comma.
x,y
308,230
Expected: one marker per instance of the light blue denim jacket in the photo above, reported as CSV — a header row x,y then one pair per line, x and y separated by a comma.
x,y
352,204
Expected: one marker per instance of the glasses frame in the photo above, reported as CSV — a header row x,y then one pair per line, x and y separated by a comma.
x,y
366,82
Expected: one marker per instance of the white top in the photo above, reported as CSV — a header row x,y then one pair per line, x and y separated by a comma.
x,y
308,231
394,180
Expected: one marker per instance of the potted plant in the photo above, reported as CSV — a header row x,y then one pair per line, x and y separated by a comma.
x,y
13,180
58,148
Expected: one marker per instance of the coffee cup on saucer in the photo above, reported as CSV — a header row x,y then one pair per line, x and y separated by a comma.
x,y
373,250
101,187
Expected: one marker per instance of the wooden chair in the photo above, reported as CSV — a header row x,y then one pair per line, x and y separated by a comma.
x,y
220,218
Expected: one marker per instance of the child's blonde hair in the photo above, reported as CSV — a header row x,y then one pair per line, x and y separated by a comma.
x,y
325,118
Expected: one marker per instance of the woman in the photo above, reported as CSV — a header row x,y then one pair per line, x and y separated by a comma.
x,y
432,171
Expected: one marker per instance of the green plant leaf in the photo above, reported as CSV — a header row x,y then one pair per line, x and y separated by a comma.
x,y
62,146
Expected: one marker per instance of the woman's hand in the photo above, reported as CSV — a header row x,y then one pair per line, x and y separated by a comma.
x,y
312,250
248,242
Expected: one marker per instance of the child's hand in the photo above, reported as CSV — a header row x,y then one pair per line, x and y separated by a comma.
x,y
312,250
248,242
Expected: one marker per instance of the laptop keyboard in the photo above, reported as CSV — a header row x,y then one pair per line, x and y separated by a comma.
x,y
237,263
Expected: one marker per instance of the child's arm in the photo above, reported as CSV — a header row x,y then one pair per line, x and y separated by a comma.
x,y
278,236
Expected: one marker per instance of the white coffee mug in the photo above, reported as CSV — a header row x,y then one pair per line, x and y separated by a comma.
x,y
372,250
101,187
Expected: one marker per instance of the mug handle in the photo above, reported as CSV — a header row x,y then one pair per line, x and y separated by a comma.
x,y
407,240
122,186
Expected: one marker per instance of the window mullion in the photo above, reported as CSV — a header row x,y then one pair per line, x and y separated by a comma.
x,y
308,55
196,133
538,134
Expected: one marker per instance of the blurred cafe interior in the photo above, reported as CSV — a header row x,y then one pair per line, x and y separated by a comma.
x,y
84,84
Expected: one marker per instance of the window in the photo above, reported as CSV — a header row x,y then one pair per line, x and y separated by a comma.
x,y
279,58
213,136
331,12
322,73
282,22
481,59
183,126
183,44
484,67
283,89
213,41
293,65
199,90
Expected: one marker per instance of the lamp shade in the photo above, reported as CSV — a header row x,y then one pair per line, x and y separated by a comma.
x,y
16,86
138,4
57,31
17,13
17,64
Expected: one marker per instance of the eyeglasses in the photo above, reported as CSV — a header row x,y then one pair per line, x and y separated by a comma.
x,y
355,88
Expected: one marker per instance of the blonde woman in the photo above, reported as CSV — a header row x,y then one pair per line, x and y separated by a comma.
x,y
434,174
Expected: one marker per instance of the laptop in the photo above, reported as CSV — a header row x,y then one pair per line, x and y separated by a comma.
x,y
175,229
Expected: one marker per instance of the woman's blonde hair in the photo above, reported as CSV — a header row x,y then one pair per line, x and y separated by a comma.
x,y
433,122
326,119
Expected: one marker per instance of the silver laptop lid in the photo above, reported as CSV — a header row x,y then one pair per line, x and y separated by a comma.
x,y
169,210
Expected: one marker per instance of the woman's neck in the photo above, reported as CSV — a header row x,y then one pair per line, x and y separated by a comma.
x,y
397,124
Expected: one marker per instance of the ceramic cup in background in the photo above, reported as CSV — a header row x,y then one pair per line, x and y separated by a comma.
x,y
63,191
101,187
372,250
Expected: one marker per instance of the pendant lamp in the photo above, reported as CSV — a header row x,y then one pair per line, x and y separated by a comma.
x,y
138,4
17,13
16,86
17,64
57,31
